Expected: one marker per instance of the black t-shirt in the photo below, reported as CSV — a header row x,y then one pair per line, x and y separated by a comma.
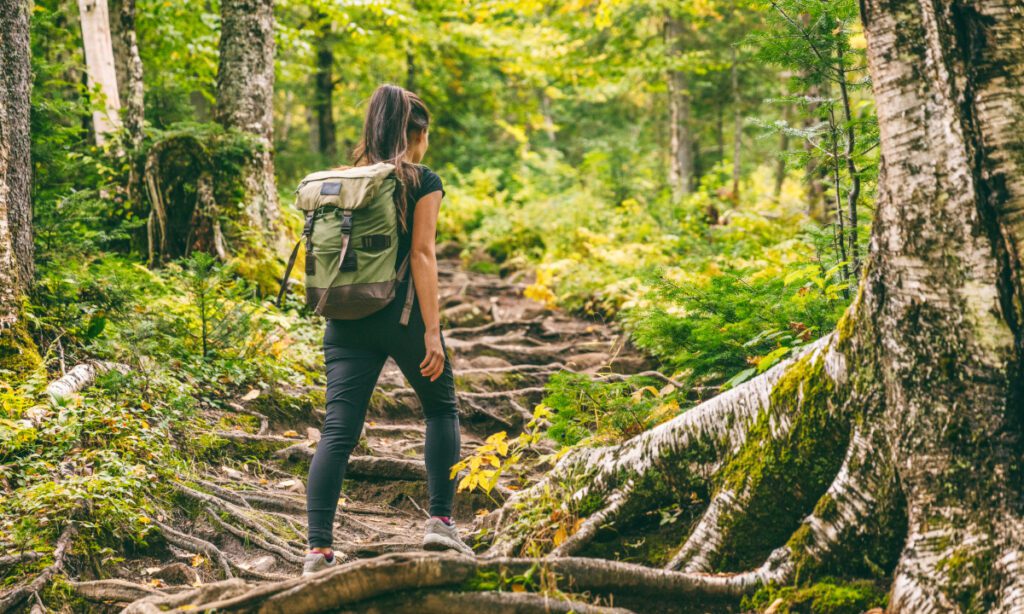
x,y
429,182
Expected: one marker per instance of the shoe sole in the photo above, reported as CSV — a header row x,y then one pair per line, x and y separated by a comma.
x,y
438,543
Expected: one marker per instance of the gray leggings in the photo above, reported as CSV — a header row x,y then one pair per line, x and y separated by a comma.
x,y
355,352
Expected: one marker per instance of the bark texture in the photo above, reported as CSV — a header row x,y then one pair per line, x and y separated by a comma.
x,y
134,106
680,134
245,90
16,251
99,62
942,298
17,349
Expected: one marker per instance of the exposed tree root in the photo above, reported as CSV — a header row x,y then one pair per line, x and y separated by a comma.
x,y
364,580
717,427
117,591
253,537
588,529
194,544
706,537
11,560
15,596
446,602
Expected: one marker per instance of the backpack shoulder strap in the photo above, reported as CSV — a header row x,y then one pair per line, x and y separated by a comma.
x,y
307,236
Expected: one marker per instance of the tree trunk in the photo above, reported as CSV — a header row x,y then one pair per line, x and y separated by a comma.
x,y
245,89
17,352
944,291
680,138
410,70
99,62
815,170
780,163
737,126
323,104
134,107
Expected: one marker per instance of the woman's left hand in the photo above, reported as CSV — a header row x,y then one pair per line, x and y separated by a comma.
x,y
433,363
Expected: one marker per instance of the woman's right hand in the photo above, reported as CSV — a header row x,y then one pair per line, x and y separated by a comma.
x,y
433,363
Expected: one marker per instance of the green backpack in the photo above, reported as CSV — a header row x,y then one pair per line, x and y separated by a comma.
x,y
351,236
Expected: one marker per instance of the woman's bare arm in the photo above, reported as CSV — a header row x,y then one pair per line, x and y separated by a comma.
x,y
423,260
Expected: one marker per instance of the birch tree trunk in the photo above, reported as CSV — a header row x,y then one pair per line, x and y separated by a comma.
x,y
944,291
245,89
17,352
99,62
680,137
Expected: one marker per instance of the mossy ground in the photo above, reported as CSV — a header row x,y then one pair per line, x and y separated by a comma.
x,y
18,353
829,596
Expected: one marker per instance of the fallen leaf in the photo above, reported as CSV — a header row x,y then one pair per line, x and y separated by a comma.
x,y
198,560
290,434
252,394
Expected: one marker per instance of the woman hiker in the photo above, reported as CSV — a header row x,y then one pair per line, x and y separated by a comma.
x,y
395,132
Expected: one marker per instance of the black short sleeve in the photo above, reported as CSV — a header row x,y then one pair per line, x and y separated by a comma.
x,y
429,182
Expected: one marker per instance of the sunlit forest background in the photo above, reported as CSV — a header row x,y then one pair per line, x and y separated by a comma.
x,y
553,129
698,173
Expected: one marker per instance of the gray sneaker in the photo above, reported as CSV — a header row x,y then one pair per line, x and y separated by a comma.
x,y
315,562
439,536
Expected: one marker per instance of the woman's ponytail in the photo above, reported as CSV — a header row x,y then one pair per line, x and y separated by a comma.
x,y
393,115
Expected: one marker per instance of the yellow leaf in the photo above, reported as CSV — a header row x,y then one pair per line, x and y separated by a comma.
x,y
560,536
144,519
576,525
290,434
503,447
198,560
464,483
474,463
518,588
496,437
482,512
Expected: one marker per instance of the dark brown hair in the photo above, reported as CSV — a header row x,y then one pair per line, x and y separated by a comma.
x,y
394,115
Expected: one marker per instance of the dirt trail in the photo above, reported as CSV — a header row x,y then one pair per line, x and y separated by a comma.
x,y
250,520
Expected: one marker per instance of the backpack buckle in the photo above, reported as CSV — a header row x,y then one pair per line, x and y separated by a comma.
x,y
346,223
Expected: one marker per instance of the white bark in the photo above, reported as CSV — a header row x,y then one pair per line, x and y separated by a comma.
x,y
99,61
81,376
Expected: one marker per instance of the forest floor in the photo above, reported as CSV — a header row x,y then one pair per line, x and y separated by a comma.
x,y
245,516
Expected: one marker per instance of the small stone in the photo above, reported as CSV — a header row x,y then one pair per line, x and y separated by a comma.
x,y
233,474
312,434
251,395
263,564
587,360
176,573
291,485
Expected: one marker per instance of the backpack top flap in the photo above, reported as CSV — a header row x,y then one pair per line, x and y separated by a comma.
x,y
345,188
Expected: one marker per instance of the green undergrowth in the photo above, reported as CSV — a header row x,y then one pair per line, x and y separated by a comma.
x,y
590,412
827,596
193,337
